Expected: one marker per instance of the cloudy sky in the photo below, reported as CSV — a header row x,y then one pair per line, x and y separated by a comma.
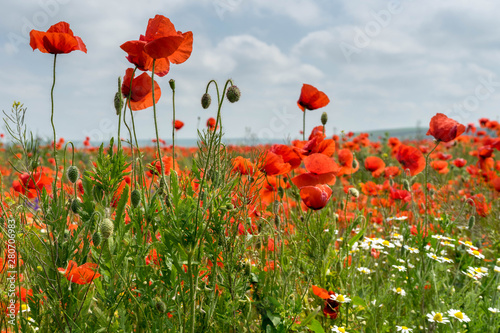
x,y
384,64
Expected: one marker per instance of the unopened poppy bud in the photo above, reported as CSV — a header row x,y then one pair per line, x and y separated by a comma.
x,y
73,174
354,192
135,198
233,94
118,103
160,306
324,118
107,228
406,185
281,192
472,221
229,206
75,206
171,82
206,100
97,238
277,221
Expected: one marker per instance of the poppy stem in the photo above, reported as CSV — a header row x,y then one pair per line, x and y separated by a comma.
x,y
54,190
156,123
304,126
173,125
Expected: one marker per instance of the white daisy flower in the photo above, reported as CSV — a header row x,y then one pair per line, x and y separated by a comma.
x,y
462,317
340,298
400,268
447,243
338,329
437,317
435,257
404,329
399,291
497,269
475,253
468,244
411,249
364,270
441,237
494,310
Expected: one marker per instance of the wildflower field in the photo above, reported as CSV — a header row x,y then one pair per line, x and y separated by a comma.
x,y
328,233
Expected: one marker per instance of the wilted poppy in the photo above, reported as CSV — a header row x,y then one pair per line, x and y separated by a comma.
x,y
178,124
331,309
83,274
141,96
58,39
311,98
444,129
315,197
411,159
161,42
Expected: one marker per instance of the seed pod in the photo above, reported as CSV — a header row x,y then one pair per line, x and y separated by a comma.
x,y
171,82
281,191
135,198
406,185
472,221
206,100
97,238
118,103
233,94
354,192
73,173
107,228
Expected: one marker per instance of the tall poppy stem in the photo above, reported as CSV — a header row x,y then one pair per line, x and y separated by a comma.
x,y
172,85
304,126
156,123
54,189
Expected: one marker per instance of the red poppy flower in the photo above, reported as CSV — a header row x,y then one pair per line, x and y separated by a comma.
x,y
30,185
58,39
178,124
459,162
315,197
331,309
411,159
83,274
444,129
142,95
375,165
440,166
288,154
274,165
161,42
311,98
347,161
322,170
211,123
242,165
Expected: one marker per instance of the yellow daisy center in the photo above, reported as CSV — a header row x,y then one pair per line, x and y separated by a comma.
x,y
475,252
341,329
398,290
340,298
438,317
459,315
386,243
404,327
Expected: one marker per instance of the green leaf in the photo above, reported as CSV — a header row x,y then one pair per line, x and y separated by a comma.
x,y
316,327
356,300
121,206
275,319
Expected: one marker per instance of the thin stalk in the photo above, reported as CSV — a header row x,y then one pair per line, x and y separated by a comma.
x,y
156,122
173,127
54,189
304,126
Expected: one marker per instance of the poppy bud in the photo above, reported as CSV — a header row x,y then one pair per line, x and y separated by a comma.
x,y
233,94
171,82
135,198
406,185
97,238
281,192
107,228
277,221
354,192
472,221
206,100
118,103
229,206
167,201
75,206
324,118
73,174
160,306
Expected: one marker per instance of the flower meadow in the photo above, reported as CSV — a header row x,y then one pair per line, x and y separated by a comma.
x,y
328,233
